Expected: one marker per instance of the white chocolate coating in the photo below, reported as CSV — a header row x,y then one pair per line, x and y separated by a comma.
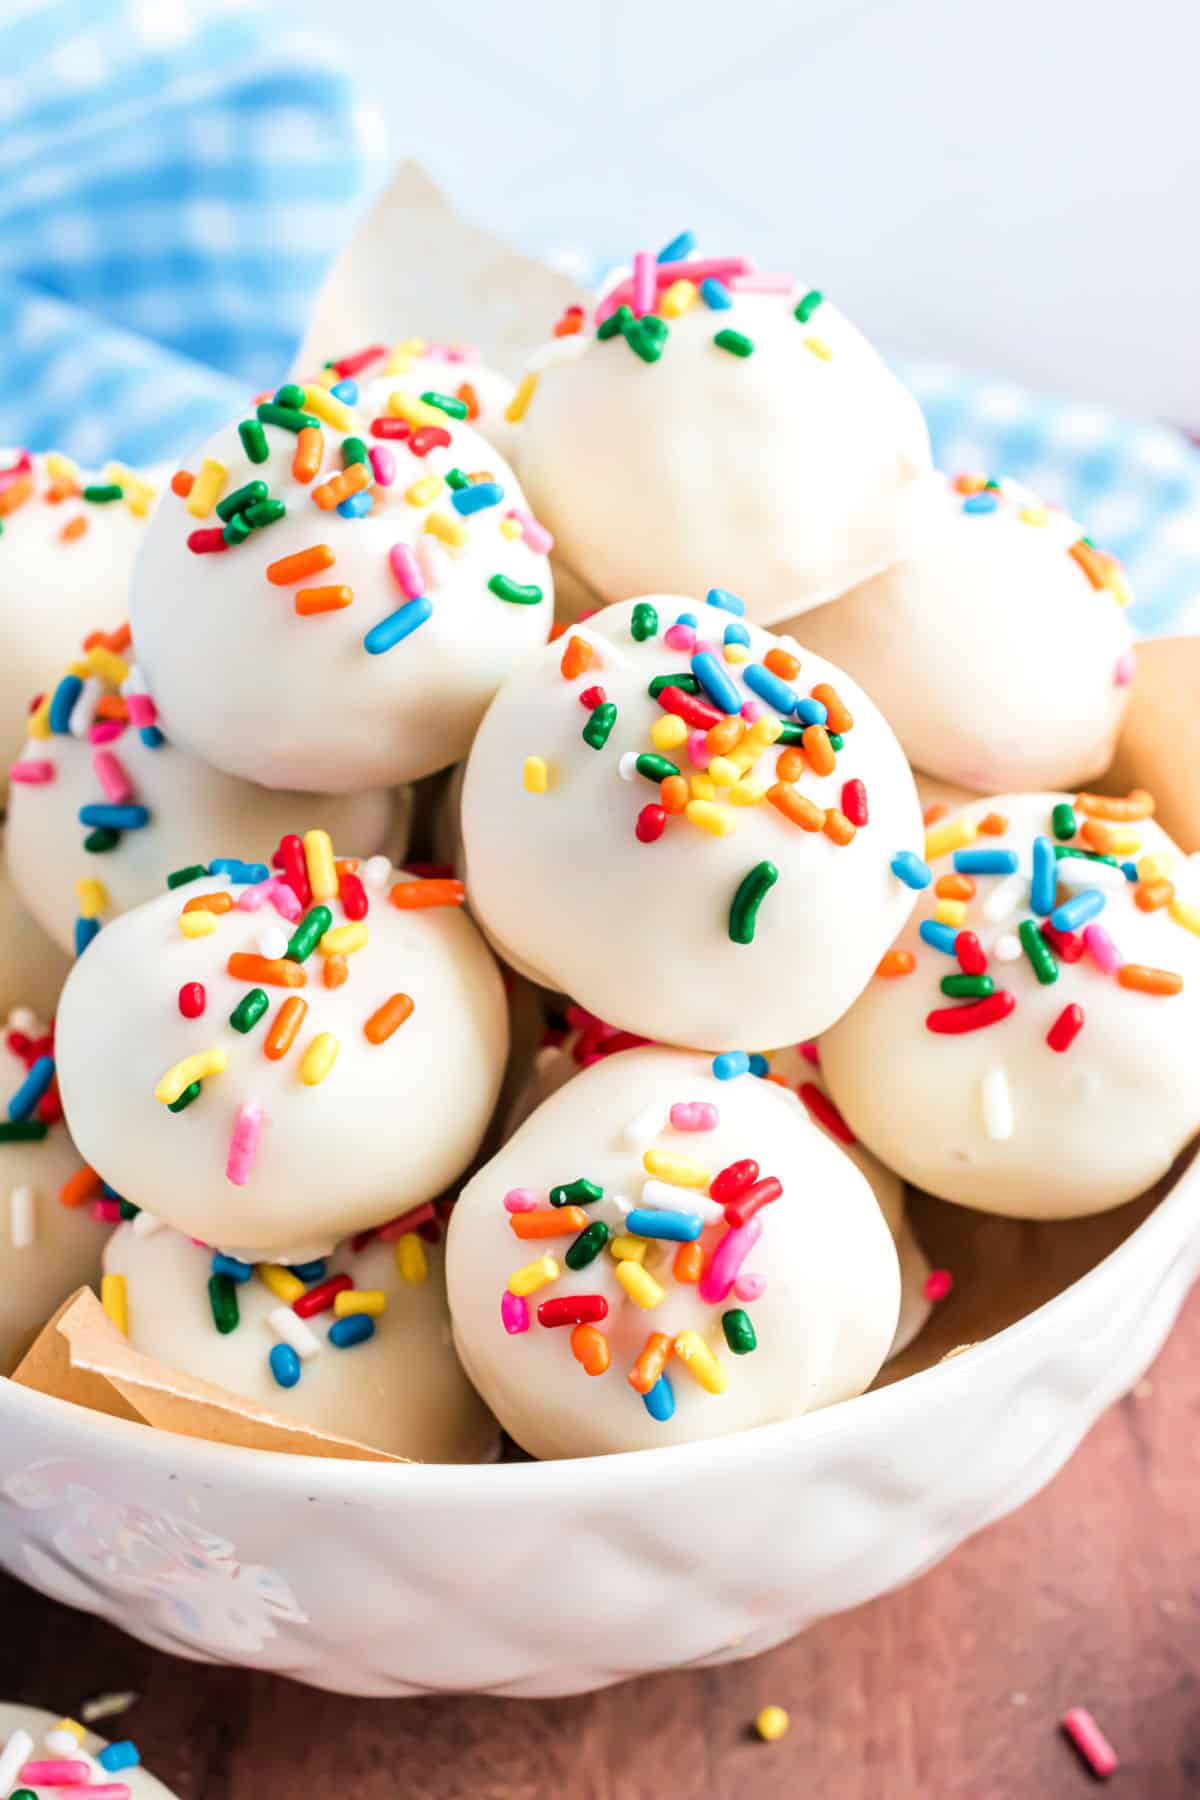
x,y
390,1126
785,475
403,1390
997,662
46,1249
996,1118
32,967
451,372
37,1723
823,1321
288,701
638,933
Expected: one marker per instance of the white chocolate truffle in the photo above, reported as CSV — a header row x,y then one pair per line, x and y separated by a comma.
x,y
322,1109
30,1735
426,587
998,649
65,563
419,367
1029,1050
788,1311
183,811
47,1248
32,967
401,1389
762,443
663,937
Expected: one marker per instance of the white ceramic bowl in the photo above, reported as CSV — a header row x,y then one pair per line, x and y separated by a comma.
x,y
552,1578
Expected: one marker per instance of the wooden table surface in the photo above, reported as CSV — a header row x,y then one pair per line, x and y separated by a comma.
x,y
949,1689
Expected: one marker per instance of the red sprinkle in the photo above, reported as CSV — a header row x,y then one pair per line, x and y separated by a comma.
x,y
1065,1029
351,365
854,802
573,1309
292,862
192,999
690,708
952,1021
320,1298
751,1199
428,438
938,1283
353,895
390,428
403,1223
651,823
1068,946
733,1180
209,541
1090,1741
825,1112
592,698
972,959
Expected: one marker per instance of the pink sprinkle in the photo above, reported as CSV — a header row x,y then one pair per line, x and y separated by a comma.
x,y
540,541
33,774
109,1790
698,750
1101,949
243,1142
697,269
694,1115
383,465
762,284
515,1313
644,270
407,571
406,1222
59,1772
679,637
142,710
105,1212
1090,1741
520,1200
105,731
727,1261
275,889
748,1286
111,776
1126,669
938,1283
811,1053
753,709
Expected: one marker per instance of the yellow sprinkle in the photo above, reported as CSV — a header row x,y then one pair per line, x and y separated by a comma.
x,y
675,300
424,491
412,1263
344,939
737,653
38,722
197,924
723,771
710,818
1125,842
318,860
359,1300
639,1284
699,1361
1119,588
668,732
819,347
1035,515
955,835
282,1283
771,1723
511,528
536,775
950,912
72,1725
60,467
329,408
703,788
319,1058
328,378
404,355
680,1171
744,756
533,1276
92,896
417,412
107,665
747,793
518,406
1156,868
192,1068
206,489
765,731
115,1300
451,531
628,1249
137,492
82,669
1185,915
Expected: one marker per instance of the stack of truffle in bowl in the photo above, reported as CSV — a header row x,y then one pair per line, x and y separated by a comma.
x,y
690,812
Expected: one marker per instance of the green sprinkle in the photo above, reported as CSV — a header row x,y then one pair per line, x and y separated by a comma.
x,y
127,1209
685,682
264,512
616,324
456,409
837,742
1063,821
104,838
287,417
656,768
237,530
736,342
290,395
1042,958
308,934
23,1794
249,1010
587,1246
454,478
254,440
576,1193
739,1332
100,493
644,623
185,1099
241,498
181,877
1061,850
792,733
967,987
809,305
599,726
752,891
647,337
505,588
222,1297
353,451
22,1131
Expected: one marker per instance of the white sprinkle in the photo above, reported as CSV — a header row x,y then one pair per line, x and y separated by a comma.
x,y
645,1128
20,1205
627,767
1078,872
13,1758
664,1196
376,871
108,1706
290,1329
83,713
433,561
134,682
272,942
145,1224
63,1743
22,1020
997,1105
560,350
1007,948
1004,900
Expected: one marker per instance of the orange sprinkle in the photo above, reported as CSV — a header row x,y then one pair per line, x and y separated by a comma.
x,y
346,865
387,1018
993,824
589,1346
673,794
840,719
1149,981
954,887
336,971
818,749
1094,563
570,323
933,813
15,494
790,766
111,706
651,1363
557,630
689,1262
418,896
268,970
470,399
725,736
284,1026
1098,835
339,487
1150,895
549,1222
310,449
118,639
796,806
322,600
181,483
220,902
895,962
838,827
575,658
783,664
777,1079
74,528
969,484
78,1188
299,564
1137,805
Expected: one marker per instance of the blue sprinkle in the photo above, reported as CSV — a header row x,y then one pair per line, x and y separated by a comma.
x,y
1130,871
812,712
715,682
715,294
63,704
152,737
986,862
767,685
911,870
939,936
117,818
40,1076
85,931
309,1271
759,1064
285,1365
678,248
688,619
110,1192
1078,909
730,1063
476,497
242,874
680,1227
660,1401
345,390
726,601
981,503
355,1328
120,1755
398,625
737,634
1045,877
229,1265
357,505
